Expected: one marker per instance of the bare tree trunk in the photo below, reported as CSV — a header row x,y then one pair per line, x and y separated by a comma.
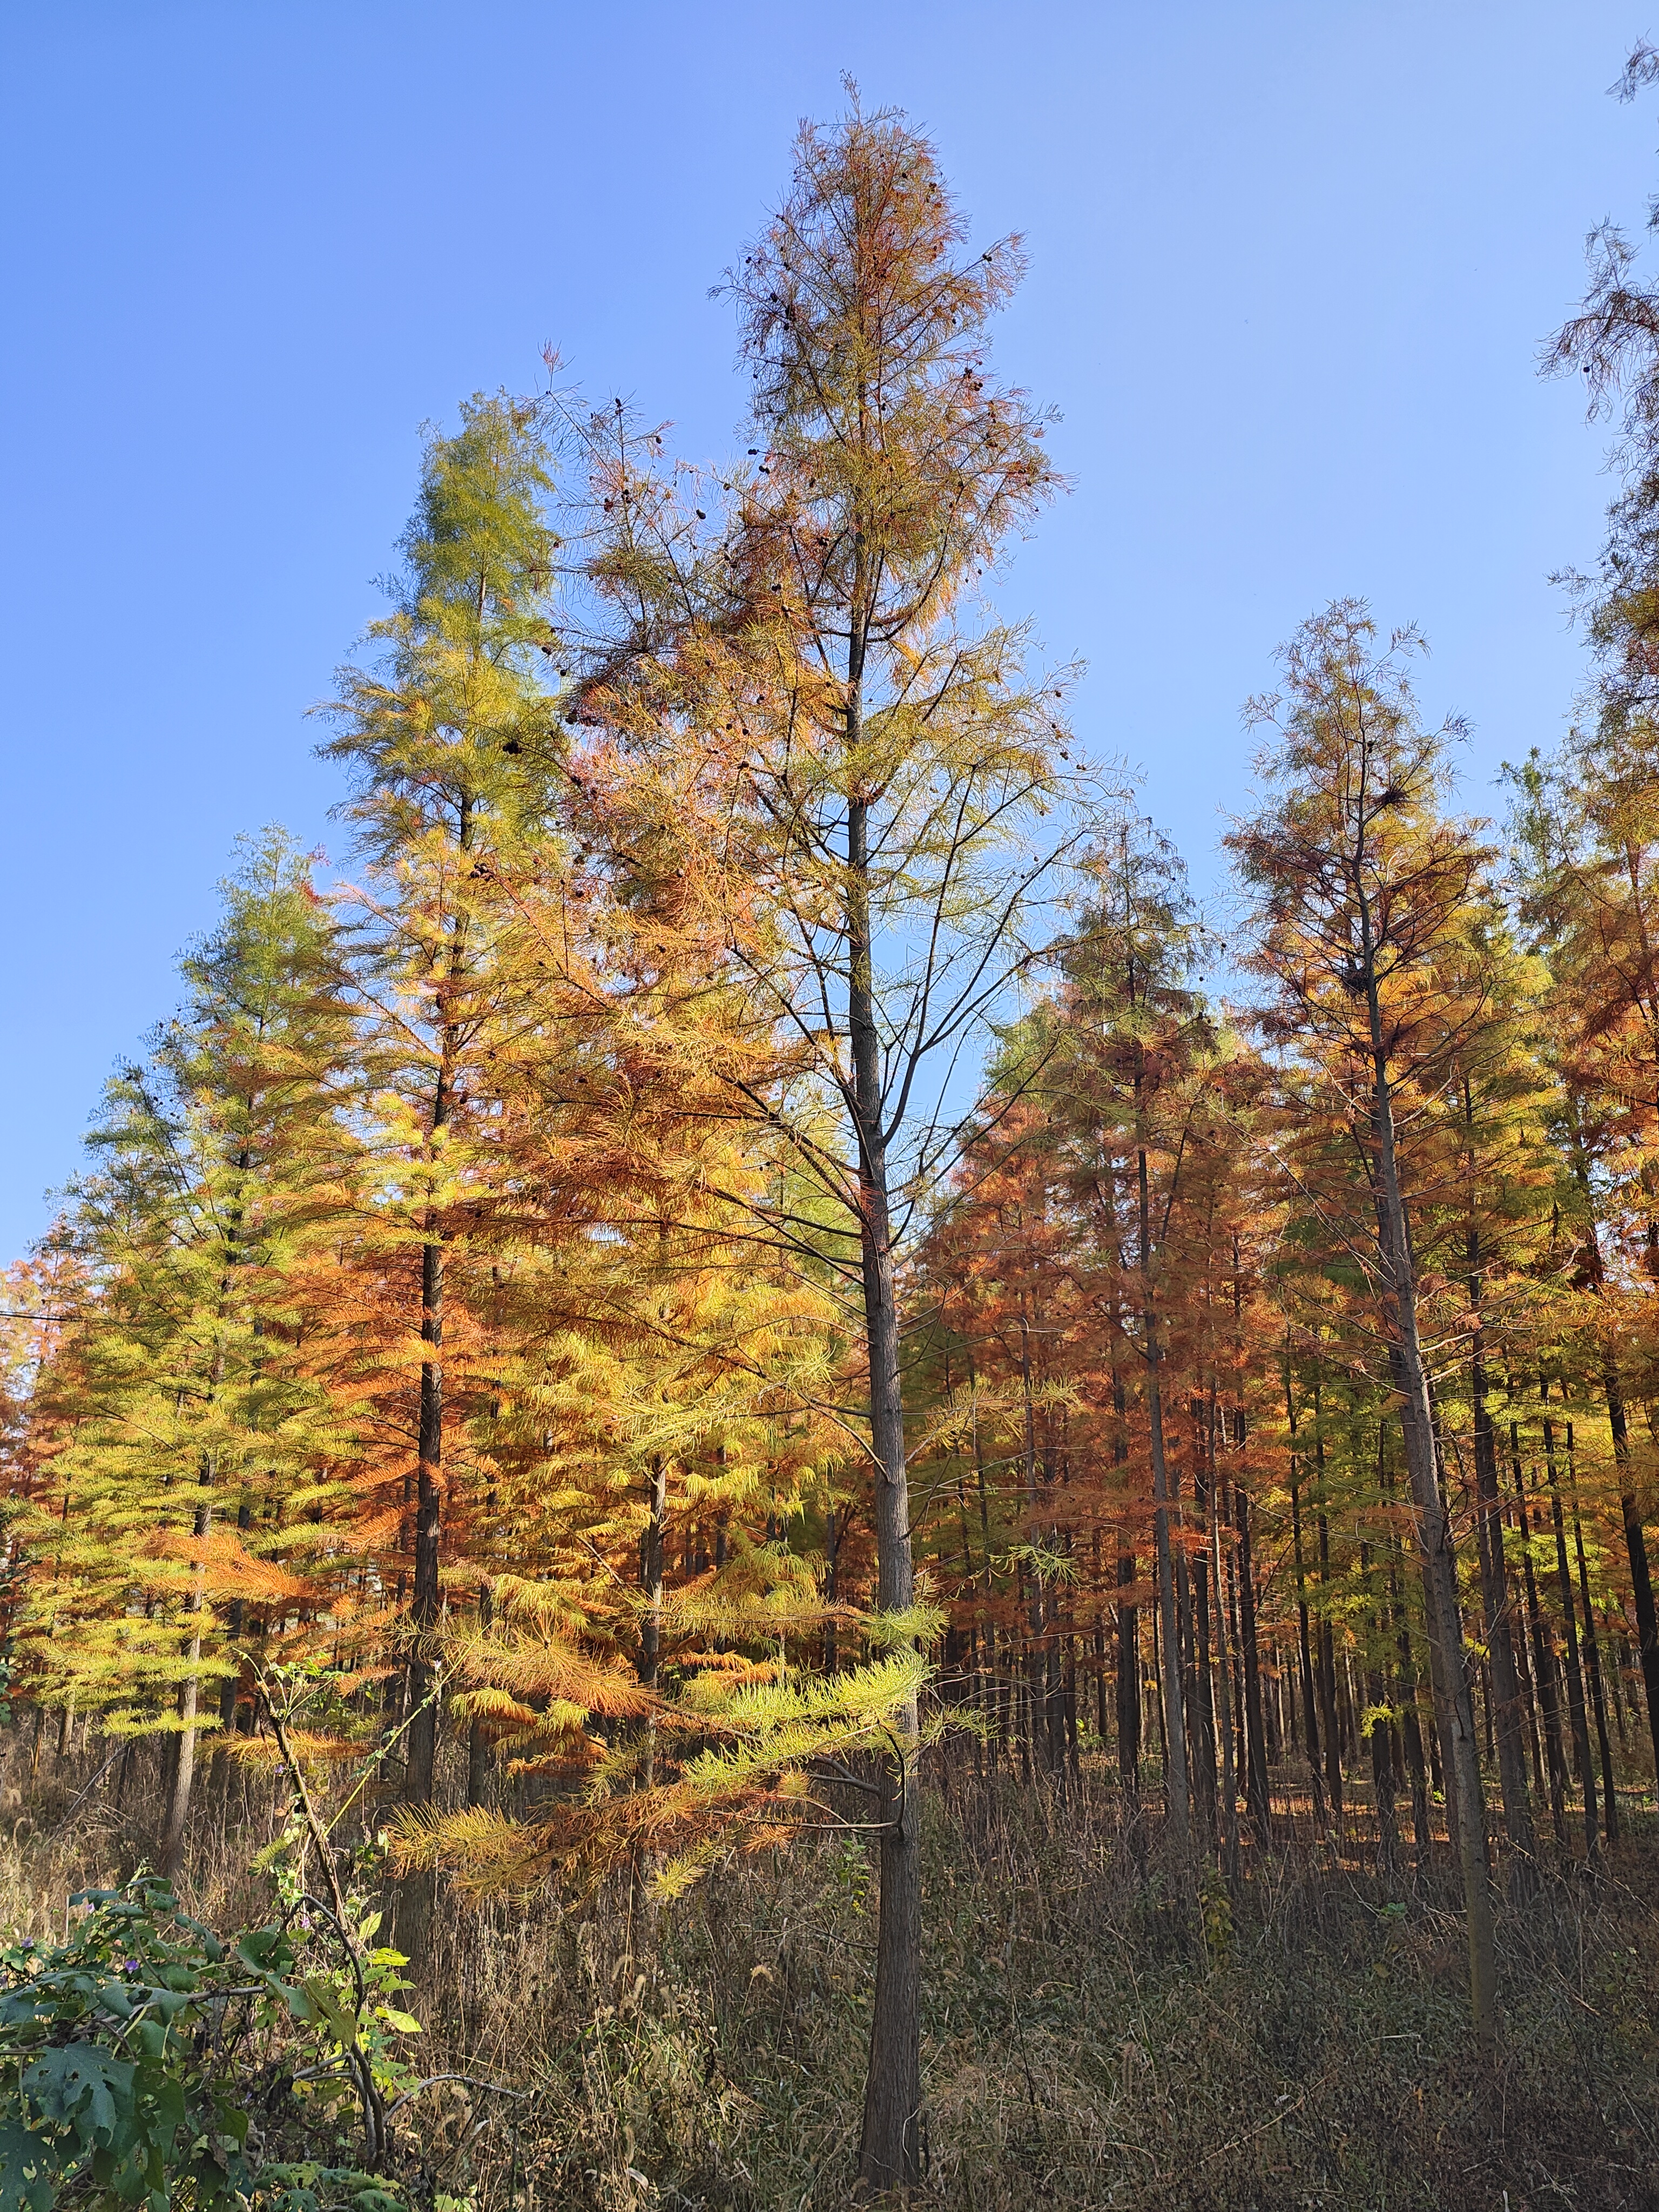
x,y
1255,1738
890,2153
417,1891
1543,1655
1128,1620
1128,1684
1381,1732
1576,1703
1177,1820
1636,1547
427,1605
1445,1631
1593,1659
1221,1679
1630,1511
235,1622
1328,1712
1304,1650
478,1749
1505,1680
1200,1697
429,1505
184,1768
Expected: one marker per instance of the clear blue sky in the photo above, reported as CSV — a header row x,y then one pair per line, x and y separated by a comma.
x,y
1291,264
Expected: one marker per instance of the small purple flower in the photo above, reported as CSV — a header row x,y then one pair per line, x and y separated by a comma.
x,y
129,1966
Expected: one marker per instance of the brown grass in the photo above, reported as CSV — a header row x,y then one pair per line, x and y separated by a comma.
x,y
1313,2053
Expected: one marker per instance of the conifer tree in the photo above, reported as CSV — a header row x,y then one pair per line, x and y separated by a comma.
x,y
450,740
1129,1073
1589,830
896,757
220,1161
1586,860
1361,886
883,765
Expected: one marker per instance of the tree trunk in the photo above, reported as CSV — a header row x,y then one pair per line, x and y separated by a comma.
x,y
1543,1655
1304,1650
416,1891
1128,1618
1636,1547
1505,1680
1593,1661
478,1749
1630,1511
426,1610
1255,1739
1333,1732
184,1768
1445,1632
1177,1821
889,2152
1410,1733
1382,1734
428,1502
235,1622
1128,1684
1218,1669
1576,1703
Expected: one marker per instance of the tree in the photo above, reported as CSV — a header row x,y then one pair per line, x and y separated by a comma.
x,y
883,765
220,1160
450,740
1361,886
898,757
1129,1073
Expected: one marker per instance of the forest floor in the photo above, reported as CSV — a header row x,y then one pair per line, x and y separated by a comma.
x,y
1312,2050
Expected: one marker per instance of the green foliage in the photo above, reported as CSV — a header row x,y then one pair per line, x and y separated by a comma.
x,y
128,2053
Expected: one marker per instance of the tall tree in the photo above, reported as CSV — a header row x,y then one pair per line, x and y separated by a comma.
x,y
1590,831
881,763
1361,886
898,756
450,739
220,1160
1130,1072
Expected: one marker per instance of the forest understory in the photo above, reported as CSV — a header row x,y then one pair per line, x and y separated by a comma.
x,y
1311,2049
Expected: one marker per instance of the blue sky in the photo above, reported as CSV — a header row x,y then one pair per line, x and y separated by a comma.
x,y
1290,266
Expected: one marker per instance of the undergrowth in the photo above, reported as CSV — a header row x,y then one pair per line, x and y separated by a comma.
x,y
1313,2052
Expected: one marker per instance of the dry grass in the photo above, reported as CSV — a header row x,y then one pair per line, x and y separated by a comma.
x,y
1077,2056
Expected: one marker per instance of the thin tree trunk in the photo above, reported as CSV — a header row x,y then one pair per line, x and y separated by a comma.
x,y
184,1766
1630,1511
1495,1598
1446,1655
478,1748
426,1609
1304,1652
1221,1678
1410,1732
890,2154
428,1503
1593,1661
1543,1655
1202,1733
1382,1735
1129,1684
1636,1547
1575,1706
1328,1667
1173,1708
1255,1738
